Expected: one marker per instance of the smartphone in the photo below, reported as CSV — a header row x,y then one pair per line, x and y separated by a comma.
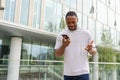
x,y
65,36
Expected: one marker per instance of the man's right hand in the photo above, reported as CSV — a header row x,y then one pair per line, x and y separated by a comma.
x,y
65,42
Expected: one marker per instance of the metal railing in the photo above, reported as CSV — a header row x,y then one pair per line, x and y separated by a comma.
x,y
53,70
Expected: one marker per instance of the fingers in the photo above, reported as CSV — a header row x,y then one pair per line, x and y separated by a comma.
x,y
91,42
89,46
66,42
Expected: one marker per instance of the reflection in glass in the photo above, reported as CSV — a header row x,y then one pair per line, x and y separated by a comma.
x,y
49,8
68,3
85,22
118,6
86,6
43,52
118,21
9,10
102,12
79,5
112,4
24,12
99,31
91,27
118,40
103,1
79,19
26,53
113,37
0,42
36,14
74,3
4,50
58,17
106,37
52,20
95,8
50,55
35,51
111,17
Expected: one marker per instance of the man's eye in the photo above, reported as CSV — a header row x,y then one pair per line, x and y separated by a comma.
x,y
74,22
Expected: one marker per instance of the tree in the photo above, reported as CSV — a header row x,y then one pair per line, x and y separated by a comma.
x,y
62,24
105,50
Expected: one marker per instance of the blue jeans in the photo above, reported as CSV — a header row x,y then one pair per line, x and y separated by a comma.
x,y
78,77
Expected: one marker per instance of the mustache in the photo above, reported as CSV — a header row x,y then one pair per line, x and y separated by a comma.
x,y
72,26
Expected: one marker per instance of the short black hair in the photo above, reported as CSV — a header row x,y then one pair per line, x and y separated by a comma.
x,y
70,13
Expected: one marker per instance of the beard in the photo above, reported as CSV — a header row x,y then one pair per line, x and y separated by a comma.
x,y
72,28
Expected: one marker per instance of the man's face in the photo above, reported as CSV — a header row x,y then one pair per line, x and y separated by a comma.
x,y
71,22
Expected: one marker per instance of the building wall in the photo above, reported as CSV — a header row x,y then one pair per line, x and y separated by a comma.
x,y
2,6
94,15
98,16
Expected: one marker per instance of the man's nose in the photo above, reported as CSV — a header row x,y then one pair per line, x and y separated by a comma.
x,y
71,24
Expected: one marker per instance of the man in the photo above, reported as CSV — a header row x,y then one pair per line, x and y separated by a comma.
x,y
74,43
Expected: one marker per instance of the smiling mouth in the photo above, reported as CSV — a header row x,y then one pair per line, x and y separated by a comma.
x,y
72,27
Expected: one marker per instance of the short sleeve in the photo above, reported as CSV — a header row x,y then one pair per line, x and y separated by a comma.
x,y
58,42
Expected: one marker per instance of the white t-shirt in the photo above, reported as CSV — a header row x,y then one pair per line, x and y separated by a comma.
x,y
75,55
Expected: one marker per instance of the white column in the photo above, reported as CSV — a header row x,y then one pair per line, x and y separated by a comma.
x,y
95,67
14,58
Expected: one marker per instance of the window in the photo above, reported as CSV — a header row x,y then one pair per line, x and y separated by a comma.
x,y
112,4
24,12
106,36
118,21
52,20
35,51
73,4
36,14
49,8
93,3
113,37
111,17
86,6
118,39
99,32
118,6
91,27
26,52
102,12
79,19
85,22
104,1
79,5
4,50
68,3
9,10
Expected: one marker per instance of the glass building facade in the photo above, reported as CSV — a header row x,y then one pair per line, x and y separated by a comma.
x,y
37,23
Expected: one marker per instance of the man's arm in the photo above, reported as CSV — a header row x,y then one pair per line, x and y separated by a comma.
x,y
60,51
92,50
